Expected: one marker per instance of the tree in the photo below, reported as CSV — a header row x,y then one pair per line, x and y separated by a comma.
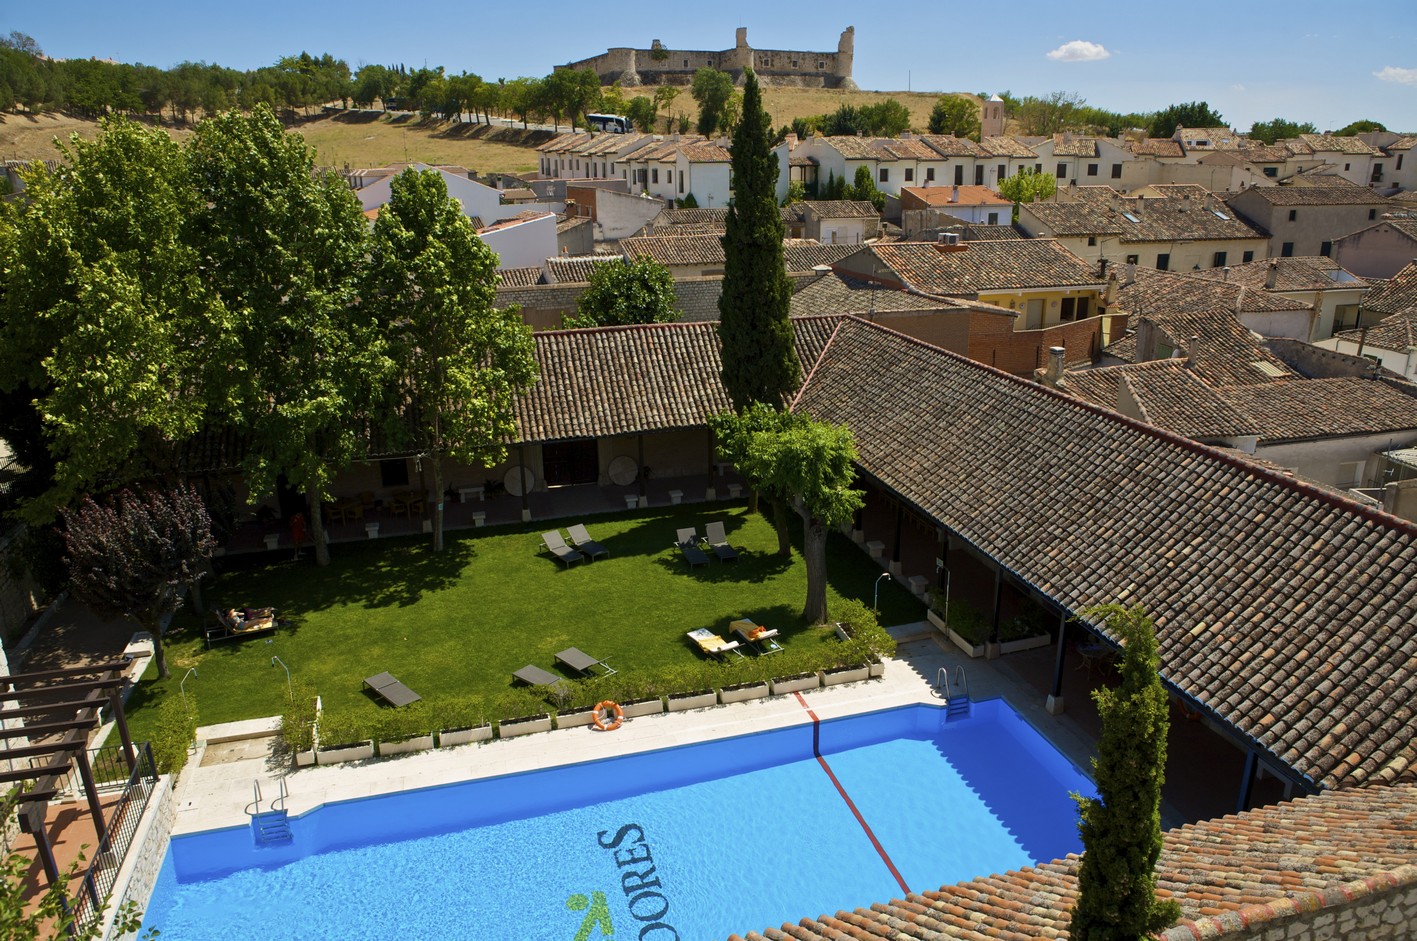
x,y
1279,129
1121,827
1364,126
626,292
1047,115
759,359
864,188
887,118
431,285
664,97
713,90
955,115
642,113
1027,186
519,97
132,557
1190,114
283,248
814,464
733,434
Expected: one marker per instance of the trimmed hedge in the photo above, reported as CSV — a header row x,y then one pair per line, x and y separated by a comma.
x,y
175,732
297,723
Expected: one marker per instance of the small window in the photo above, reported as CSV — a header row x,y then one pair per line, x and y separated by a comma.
x,y
1372,214
1399,162
978,175
1347,167
1286,250
1038,168
686,63
1271,171
1062,170
1116,171
959,174
1091,240
821,64
1131,259
993,218
654,175
794,63
1002,172
1092,169
681,184
885,174
930,173
1218,261
1247,257
393,473
1326,249
1163,261
1293,214
909,174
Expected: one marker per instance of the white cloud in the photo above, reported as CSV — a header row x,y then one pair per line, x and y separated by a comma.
x,y
1393,74
1079,50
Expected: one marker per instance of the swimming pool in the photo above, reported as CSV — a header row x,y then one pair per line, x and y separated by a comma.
x,y
694,843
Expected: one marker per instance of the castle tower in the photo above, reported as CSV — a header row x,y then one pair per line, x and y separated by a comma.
x,y
740,58
845,53
991,117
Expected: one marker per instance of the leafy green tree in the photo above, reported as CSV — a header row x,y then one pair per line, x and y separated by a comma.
x,y
1364,126
1121,827
733,433
1279,129
1027,186
1048,115
642,113
581,91
713,90
688,201
759,358
104,319
834,188
283,249
864,188
461,361
814,464
796,193
1189,114
132,558
519,97
626,292
887,118
664,97
955,115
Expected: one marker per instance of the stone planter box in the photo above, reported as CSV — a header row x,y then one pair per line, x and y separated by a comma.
x,y
878,668
304,759
846,675
416,743
447,738
841,632
643,707
742,692
524,725
1025,643
974,650
935,619
574,718
795,684
353,751
682,702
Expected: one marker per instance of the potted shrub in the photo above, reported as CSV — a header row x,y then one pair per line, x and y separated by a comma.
x,y
694,687
867,644
1026,631
846,674
344,736
521,712
694,699
297,724
404,730
967,630
459,721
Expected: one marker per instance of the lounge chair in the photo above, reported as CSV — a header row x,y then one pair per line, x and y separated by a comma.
x,y
717,540
688,543
233,623
535,676
582,662
389,689
761,638
582,541
557,547
712,645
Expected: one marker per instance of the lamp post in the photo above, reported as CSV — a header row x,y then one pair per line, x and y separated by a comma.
x,y
182,686
876,596
288,687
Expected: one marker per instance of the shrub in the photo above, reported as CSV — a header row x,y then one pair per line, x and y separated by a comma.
x,y
347,727
968,623
869,641
297,723
395,725
175,731
457,712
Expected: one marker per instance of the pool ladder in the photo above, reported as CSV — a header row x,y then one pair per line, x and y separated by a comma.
x,y
956,706
270,827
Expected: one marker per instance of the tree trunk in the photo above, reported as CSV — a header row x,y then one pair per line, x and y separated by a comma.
x,y
780,521
317,527
155,630
195,588
814,550
437,502
753,500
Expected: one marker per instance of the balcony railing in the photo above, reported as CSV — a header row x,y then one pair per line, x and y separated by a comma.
x,y
110,766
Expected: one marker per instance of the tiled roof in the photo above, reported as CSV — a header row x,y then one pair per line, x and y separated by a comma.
x,y
992,233
1156,147
946,196
806,254
1226,353
705,153
1006,147
1255,152
1076,147
1244,875
1241,569
1324,408
1158,219
1298,273
1166,291
626,380
564,225
675,250
1403,143
576,268
1343,145
1325,195
674,217
1218,138
1395,332
842,208
986,266
1397,295
520,194
520,277
1167,393
838,294
947,146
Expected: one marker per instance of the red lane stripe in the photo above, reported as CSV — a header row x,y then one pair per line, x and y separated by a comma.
x,y
851,805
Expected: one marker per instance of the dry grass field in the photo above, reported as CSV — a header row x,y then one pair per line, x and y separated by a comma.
x,y
31,136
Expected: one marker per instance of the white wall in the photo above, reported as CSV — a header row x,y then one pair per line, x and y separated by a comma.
x,y
1402,363
523,245
619,215
1322,460
707,181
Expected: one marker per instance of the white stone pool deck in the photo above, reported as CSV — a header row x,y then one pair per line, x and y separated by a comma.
x,y
216,794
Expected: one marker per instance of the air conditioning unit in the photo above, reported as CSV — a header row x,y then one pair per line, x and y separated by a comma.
x,y
949,238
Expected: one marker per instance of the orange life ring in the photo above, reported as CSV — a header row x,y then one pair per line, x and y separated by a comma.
x,y
608,716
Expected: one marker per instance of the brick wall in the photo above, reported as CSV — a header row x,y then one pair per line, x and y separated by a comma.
x,y
994,341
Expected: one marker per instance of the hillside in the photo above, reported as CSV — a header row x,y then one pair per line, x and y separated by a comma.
x,y
372,139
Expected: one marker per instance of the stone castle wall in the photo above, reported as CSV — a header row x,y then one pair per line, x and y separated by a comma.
x,y
662,66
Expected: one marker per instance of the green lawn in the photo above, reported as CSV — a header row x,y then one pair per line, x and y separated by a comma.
x,y
460,622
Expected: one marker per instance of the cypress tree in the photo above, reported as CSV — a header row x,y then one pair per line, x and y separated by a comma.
x,y
759,360
1121,828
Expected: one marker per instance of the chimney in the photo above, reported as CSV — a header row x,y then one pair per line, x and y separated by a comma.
x,y
1193,353
1186,203
1109,296
954,193
1271,276
1053,375
791,141
1225,272
1102,267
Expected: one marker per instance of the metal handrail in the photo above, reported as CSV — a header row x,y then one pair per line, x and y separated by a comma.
x,y
943,689
962,679
254,808
122,825
284,794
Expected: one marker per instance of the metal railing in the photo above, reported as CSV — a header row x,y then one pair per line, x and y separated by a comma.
x,y
122,825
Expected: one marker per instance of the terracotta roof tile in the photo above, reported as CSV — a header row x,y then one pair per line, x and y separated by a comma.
x,y
576,268
944,197
1343,145
1166,292
1223,351
1167,393
806,254
1006,147
1397,295
838,294
519,277
1342,194
1156,147
947,146
1397,333
1323,408
986,266
1169,217
1297,273
707,250
842,208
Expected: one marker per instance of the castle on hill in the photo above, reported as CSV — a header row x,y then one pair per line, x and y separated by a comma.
x,y
658,65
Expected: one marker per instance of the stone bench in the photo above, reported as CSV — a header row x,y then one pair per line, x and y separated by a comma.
x,y
632,501
466,493
919,584
479,518
876,548
676,496
735,491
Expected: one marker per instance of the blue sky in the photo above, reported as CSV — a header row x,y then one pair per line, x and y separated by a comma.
x,y
1303,60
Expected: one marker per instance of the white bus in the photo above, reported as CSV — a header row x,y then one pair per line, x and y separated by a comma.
x,y
609,123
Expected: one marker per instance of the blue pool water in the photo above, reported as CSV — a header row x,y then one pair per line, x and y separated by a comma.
x,y
694,843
